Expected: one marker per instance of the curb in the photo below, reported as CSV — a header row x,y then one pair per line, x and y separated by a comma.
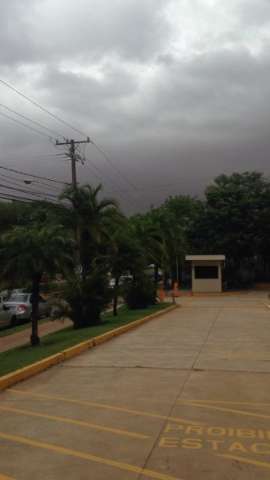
x,y
38,367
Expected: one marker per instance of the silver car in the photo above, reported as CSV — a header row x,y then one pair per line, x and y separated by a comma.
x,y
5,314
20,307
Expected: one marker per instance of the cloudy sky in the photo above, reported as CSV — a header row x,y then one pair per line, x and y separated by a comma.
x,y
174,91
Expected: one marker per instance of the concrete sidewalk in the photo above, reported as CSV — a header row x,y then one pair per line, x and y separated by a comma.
x,y
186,397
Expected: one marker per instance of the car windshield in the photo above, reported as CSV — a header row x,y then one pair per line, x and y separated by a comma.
x,y
18,297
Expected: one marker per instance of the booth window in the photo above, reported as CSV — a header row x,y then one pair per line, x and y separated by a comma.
x,y
206,272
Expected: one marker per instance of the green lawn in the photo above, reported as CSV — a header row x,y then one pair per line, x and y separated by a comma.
x,y
55,342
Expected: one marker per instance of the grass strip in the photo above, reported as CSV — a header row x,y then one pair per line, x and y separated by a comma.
x,y
52,343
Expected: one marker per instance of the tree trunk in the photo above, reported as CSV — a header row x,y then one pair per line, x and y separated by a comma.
x,y
115,296
156,276
83,253
35,340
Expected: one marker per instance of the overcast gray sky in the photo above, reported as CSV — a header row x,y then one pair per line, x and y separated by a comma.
x,y
175,91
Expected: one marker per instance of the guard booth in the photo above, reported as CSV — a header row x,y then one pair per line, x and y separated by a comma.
x,y
206,272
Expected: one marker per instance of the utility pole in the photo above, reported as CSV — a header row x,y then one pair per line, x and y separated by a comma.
x,y
73,157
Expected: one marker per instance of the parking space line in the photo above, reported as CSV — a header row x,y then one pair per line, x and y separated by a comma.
x,y
245,306
256,463
223,409
87,456
103,406
79,423
228,402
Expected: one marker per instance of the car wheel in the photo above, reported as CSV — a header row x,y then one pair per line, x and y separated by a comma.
x,y
13,321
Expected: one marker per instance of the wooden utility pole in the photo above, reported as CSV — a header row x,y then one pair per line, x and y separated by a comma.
x,y
73,157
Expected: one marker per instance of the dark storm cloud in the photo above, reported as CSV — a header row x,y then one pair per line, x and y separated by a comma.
x,y
228,87
129,28
176,89
44,31
17,43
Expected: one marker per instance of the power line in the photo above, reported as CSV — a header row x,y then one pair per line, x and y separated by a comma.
x,y
100,178
39,199
7,196
126,199
26,126
33,192
56,117
32,175
28,182
70,126
30,120
16,181
73,155
11,180
42,185
108,160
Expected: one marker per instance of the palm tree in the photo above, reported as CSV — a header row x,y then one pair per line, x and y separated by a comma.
x,y
127,256
90,220
12,213
147,230
93,220
29,251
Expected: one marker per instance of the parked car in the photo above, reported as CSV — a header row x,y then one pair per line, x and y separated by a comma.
x,y
5,314
5,294
20,307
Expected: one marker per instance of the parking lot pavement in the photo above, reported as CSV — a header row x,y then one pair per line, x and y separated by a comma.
x,y
186,396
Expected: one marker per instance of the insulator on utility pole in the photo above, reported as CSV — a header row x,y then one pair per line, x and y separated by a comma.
x,y
72,156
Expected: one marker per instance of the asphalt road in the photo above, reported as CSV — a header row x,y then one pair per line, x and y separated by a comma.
x,y
186,396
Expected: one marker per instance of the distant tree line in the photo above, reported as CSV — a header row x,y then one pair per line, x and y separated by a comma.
x,y
232,219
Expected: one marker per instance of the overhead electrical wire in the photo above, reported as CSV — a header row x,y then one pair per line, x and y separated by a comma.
x,y
25,199
26,126
32,121
56,117
17,182
7,196
108,160
126,199
33,192
112,180
29,182
14,196
21,172
29,196
42,185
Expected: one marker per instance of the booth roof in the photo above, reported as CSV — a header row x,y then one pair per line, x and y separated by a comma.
x,y
208,258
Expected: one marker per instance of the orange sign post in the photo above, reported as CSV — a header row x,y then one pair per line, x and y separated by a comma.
x,y
176,292
161,294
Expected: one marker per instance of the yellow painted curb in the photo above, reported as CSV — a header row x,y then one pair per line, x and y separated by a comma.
x,y
38,367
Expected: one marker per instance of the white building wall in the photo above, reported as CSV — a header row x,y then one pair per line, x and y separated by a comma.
x,y
208,284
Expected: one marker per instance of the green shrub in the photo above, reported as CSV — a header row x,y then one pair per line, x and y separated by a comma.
x,y
245,276
87,298
140,293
